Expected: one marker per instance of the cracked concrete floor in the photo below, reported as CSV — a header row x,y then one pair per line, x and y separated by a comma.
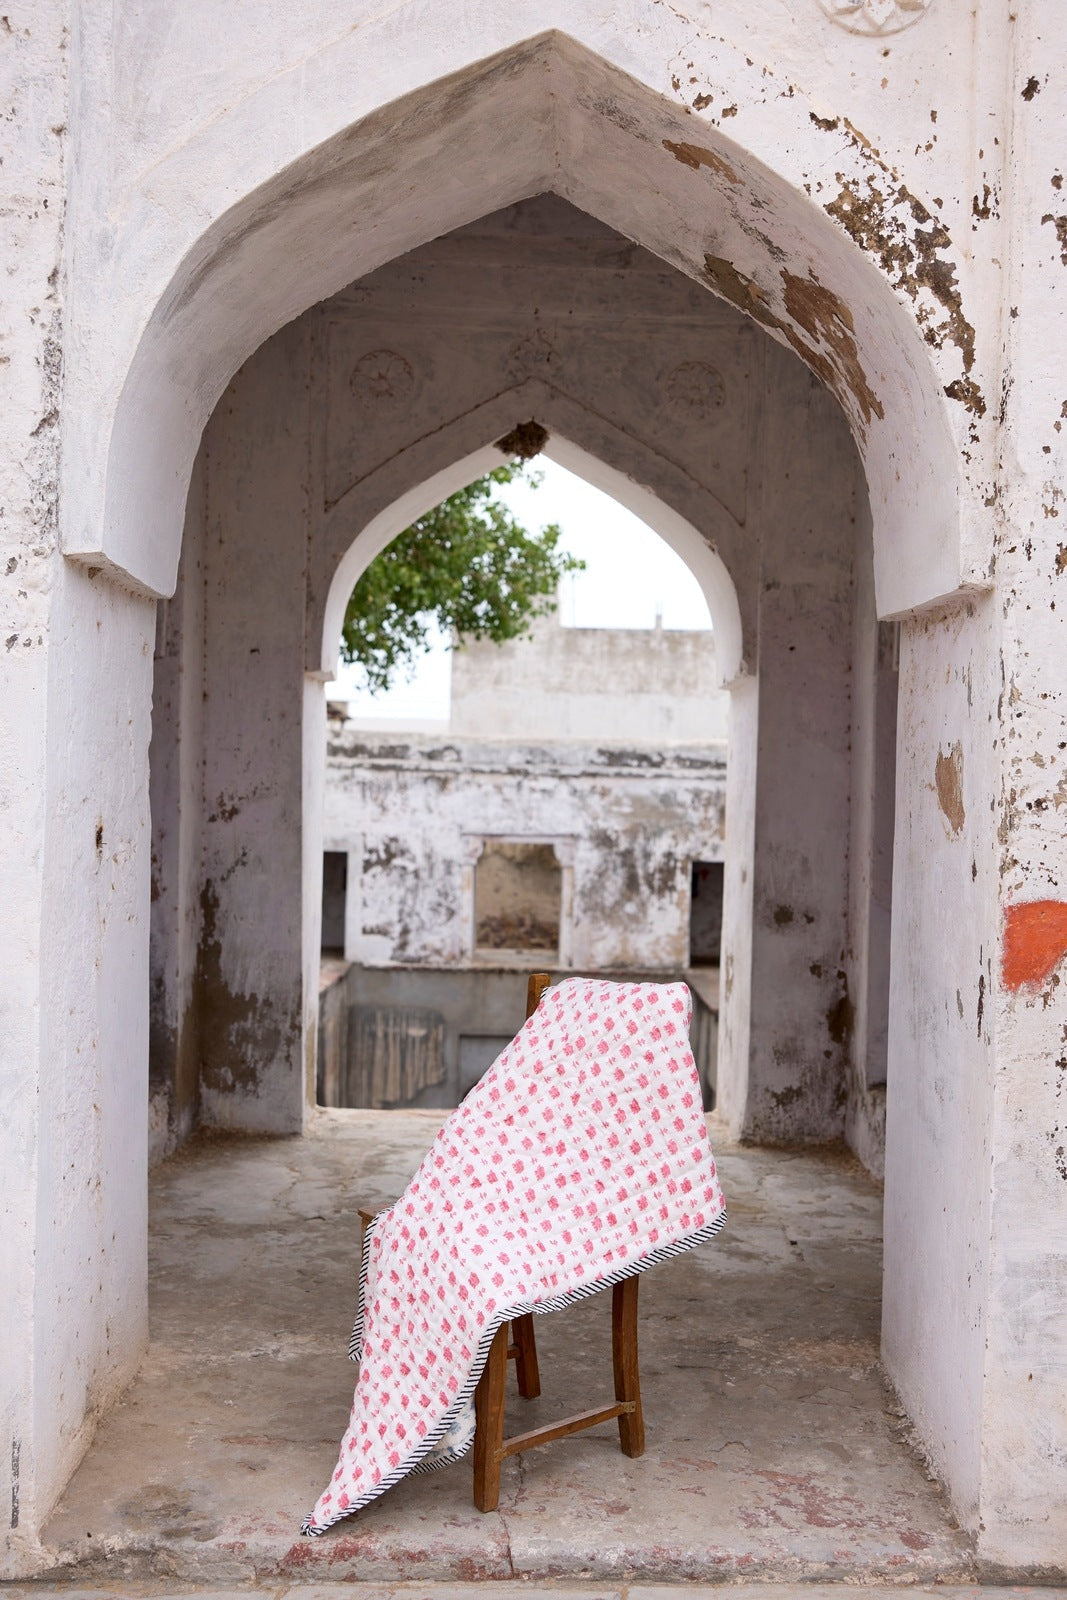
x,y
774,1449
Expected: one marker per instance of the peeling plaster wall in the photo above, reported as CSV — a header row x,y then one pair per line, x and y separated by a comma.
x,y
801,1019
732,145
871,819
73,793
626,824
631,686
253,1050
177,794
31,334
976,1185
939,1125
1024,1410
90,1324
735,994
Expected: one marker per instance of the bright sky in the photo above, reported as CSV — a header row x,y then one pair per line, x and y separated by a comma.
x,y
631,574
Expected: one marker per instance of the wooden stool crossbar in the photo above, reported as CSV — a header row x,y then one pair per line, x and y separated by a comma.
x,y
516,1342
490,1445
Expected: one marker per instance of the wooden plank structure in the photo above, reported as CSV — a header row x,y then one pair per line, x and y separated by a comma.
x,y
516,1342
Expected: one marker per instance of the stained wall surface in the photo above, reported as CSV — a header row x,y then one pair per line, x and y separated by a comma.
x,y
604,749
415,815
625,686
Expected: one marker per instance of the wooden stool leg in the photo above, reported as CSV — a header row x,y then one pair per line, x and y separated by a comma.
x,y
624,1360
526,1368
489,1424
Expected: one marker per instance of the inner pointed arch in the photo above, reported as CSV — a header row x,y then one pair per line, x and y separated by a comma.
x,y
704,563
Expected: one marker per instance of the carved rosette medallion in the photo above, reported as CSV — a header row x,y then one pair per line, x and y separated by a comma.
x,y
382,378
875,16
695,388
534,353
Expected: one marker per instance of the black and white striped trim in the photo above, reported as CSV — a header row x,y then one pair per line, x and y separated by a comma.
x,y
416,1462
355,1343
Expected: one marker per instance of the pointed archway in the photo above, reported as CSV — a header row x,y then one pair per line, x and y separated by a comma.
x,y
733,217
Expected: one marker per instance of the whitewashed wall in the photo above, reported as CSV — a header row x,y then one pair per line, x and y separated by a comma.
x,y
625,686
176,766
412,813
76,682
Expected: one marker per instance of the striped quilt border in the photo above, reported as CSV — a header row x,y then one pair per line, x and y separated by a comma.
x,y
416,1463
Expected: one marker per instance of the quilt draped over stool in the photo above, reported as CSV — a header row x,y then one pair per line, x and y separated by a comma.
x,y
580,1157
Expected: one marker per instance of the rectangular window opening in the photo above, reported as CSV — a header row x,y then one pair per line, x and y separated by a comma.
x,y
705,914
334,892
518,891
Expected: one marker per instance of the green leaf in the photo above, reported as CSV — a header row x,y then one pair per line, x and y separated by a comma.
x,y
467,565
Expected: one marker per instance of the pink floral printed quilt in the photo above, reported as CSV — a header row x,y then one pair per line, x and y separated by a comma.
x,y
581,1156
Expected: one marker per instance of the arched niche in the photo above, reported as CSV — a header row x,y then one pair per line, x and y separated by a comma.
x,y
706,565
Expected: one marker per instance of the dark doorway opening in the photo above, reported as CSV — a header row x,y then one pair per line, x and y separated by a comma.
x,y
705,914
334,892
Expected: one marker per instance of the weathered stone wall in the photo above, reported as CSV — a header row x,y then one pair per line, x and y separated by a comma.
x,y
413,813
631,686
176,765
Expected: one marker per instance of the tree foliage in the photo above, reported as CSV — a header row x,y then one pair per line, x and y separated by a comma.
x,y
467,565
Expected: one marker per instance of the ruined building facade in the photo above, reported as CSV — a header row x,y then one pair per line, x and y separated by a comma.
x,y
779,277
557,814
569,815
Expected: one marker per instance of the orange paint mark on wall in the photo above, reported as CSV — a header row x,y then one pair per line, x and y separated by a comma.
x,y
1035,941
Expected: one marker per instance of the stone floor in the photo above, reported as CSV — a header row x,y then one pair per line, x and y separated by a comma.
x,y
775,1451
511,1588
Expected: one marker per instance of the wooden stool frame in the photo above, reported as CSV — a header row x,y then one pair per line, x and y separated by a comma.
x,y
516,1342
490,1445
